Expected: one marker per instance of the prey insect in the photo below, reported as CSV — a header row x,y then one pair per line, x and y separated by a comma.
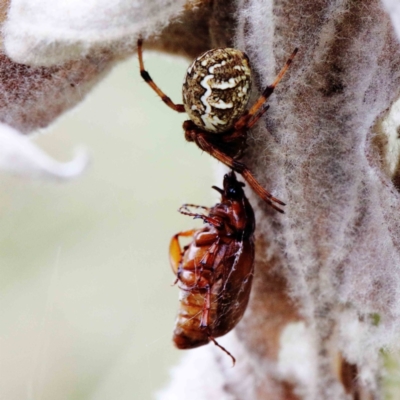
x,y
215,92
215,271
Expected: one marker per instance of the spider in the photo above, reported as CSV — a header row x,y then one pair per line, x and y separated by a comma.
x,y
215,95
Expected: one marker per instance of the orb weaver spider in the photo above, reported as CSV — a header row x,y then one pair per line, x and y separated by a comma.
x,y
215,95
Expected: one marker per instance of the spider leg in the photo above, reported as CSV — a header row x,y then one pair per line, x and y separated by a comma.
x,y
239,167
256,117
246,118
145,75
236,135
232,142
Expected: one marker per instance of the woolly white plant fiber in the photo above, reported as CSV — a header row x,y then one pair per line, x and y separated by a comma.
x,y
31,98
331,263
336,250
71,45
47,32
18,155
393,9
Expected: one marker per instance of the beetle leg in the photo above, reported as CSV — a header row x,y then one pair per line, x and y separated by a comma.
x,y
185,209
186,206
208,259
243,121
209,220
206,309
175,251
239,167
223,349
206,238
145,75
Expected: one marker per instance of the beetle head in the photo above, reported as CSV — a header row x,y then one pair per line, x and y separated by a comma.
x,y
233,189
234,208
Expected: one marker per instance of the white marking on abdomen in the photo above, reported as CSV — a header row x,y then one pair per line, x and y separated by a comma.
x,y
206,95
222,105
211,69
204,99
226,84
209,122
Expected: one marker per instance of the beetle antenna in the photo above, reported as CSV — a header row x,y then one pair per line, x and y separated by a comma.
x,y
220,191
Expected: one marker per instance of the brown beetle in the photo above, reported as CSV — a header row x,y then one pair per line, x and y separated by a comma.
x,y
214,272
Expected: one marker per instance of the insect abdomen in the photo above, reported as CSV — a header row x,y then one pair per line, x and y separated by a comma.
x,y
217,88
228,301
187,333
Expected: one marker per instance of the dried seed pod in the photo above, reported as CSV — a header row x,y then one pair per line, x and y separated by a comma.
x,y
216,89
215,272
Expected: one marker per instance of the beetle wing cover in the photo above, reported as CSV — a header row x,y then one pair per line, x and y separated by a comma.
x,y
231,290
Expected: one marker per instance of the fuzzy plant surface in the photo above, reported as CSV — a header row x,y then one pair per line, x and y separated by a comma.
x,y
325,303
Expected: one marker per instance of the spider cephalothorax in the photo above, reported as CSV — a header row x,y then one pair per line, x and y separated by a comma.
x,y
215,95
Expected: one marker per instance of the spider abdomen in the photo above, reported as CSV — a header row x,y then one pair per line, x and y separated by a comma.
x,y
217,88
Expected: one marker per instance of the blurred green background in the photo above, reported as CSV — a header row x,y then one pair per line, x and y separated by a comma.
x,y
87,303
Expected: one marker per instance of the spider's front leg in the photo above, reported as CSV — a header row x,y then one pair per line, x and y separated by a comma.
x,y
194,134
147,78
258,109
